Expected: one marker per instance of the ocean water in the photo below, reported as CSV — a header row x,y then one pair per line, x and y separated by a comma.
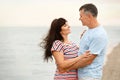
x,y
21,58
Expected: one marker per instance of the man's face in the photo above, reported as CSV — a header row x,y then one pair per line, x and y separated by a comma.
x,y
84,18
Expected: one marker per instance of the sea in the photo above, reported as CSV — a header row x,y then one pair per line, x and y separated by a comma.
x,y
21,57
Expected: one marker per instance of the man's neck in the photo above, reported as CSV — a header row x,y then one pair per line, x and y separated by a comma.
x,y
93,24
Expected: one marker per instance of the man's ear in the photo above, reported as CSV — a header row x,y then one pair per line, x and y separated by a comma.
x,y
90,15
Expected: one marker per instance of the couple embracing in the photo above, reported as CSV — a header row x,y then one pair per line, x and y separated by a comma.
x,y
77,63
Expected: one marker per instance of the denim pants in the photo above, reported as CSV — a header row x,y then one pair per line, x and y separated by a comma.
x,y
89,78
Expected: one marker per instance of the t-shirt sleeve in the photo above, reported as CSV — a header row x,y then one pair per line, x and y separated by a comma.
x,y
97,45
57,46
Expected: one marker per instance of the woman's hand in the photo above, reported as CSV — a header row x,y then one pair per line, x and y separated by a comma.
x,y
86,54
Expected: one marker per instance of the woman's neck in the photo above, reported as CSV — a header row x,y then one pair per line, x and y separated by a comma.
x,y
65,39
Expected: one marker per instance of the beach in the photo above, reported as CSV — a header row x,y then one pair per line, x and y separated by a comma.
x,y
21,58
111,69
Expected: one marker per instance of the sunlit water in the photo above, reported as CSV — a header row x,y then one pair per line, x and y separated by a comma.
x,y
21,58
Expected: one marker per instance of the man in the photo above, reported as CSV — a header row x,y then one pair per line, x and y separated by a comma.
x,y
95,40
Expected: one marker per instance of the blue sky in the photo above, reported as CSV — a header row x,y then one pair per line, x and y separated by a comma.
x,y
29,13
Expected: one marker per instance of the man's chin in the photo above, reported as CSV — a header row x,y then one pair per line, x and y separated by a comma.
x,y
83,24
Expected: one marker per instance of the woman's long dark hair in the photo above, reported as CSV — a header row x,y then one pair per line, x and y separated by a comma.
x,y
53,34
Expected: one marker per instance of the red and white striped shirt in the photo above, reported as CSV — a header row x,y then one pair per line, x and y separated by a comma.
x,y
70,51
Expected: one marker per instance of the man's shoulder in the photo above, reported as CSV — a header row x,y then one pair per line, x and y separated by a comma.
x,y
100,31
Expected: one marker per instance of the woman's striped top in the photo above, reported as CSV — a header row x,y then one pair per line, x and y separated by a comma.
x,y
70,51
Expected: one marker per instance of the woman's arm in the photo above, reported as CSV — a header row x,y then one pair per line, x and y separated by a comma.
x,y
63,64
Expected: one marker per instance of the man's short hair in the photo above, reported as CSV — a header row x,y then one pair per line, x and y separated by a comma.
x,y
90,8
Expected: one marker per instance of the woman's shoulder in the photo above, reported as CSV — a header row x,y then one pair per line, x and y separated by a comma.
x,y
57,42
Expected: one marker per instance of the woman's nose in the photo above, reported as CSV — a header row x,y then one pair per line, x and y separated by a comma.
x,y
68,26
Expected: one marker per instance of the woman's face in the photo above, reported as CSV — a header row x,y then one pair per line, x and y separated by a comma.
x,y
65,29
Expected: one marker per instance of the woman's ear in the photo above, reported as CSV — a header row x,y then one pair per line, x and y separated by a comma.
x,y
61,32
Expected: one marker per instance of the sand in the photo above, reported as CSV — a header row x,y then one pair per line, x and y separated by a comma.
x,y
111,70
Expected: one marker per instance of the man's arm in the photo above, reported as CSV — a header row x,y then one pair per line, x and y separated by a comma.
x,y
82,63
63,64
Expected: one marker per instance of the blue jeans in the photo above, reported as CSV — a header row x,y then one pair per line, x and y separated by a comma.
x,y
89,78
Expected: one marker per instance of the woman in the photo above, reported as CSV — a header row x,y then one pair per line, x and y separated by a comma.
x,y
57,44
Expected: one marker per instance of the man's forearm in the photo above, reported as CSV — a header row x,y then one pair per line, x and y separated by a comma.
x,y
83,62
79,64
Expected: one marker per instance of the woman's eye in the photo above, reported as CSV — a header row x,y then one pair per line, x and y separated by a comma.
x,y
65,25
